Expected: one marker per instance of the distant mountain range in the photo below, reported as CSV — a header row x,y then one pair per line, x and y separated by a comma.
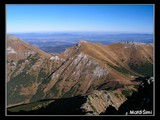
x,y
57,42
102,75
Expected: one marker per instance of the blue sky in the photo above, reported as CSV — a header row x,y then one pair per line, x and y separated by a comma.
x,y
106,18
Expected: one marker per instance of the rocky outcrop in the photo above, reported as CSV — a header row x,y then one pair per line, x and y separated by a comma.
x,y
140,102
99,101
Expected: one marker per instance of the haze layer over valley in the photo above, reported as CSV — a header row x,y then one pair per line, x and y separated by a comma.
x,y
56,42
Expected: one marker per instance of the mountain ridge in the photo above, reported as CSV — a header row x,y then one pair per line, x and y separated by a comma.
x,y
80,70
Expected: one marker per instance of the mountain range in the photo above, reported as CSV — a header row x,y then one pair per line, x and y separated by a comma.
x,y
101,75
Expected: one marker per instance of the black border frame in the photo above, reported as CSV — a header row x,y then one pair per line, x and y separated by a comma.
x,y
157,36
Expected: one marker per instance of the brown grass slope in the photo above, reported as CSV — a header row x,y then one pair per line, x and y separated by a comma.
x,y
89,65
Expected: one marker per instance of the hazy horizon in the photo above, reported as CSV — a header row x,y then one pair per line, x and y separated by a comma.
x,y
59,41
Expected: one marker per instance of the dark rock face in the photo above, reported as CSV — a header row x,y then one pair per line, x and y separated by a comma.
x,y
141,101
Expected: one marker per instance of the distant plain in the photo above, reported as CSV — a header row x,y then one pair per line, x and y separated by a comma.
x,y
57,42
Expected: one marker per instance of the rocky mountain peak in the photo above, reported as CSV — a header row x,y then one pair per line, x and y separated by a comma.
x,y
133,43
81,42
